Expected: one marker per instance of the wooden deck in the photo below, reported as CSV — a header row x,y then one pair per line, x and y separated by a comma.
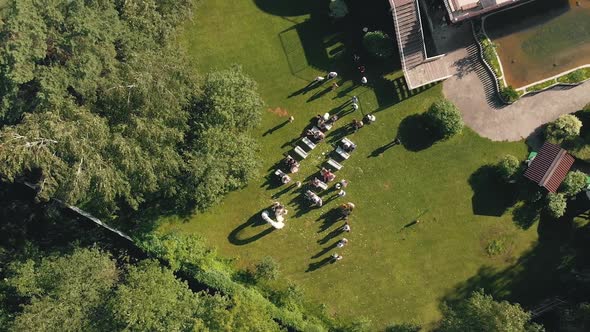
x,y
427,72
418,69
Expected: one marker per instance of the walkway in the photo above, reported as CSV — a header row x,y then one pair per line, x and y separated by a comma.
x,y
472,91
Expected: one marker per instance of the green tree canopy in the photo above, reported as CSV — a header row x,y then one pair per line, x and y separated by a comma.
x,y
480,312
229,100
152,299
266,269
508,167
378,44
338,8
99,110
65,293
563,128
444,119
556,204
574,182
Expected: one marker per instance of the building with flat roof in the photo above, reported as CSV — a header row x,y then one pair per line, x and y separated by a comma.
x,y
419,68
460,10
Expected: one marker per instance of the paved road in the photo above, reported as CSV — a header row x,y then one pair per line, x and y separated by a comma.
x,y
471,90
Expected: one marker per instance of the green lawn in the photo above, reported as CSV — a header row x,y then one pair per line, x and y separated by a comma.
x,y
389,273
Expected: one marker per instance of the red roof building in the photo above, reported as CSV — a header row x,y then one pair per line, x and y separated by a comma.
x,y
549,167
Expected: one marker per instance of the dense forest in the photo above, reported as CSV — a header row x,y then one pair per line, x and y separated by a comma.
x,y
100,109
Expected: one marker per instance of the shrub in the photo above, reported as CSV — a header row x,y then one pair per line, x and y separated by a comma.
x,y
556,204
541,86
509,94
508,167
266,269
378,44
496,247
581,151
444,118
575,76
565,127
574,183
338,8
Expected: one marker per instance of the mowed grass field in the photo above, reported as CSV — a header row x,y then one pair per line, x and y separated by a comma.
x,y
391,272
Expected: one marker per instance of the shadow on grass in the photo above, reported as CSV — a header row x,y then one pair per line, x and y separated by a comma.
x,y
325,250
302,205
329,218
492,196
380,150
319,94
255,221
309,87
336,135
414,133
314,266
286,7
526,214
284,191
535,276
275,128
336,232
272,182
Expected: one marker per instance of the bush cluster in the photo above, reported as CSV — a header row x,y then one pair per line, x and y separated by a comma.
x,y
444,119
378,44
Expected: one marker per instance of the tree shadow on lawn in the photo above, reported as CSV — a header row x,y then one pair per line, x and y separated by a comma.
x,y
526,214
286,7
255,221
414,133
535,276
491,195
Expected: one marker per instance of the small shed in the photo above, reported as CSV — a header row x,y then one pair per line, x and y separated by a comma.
x,y
549,168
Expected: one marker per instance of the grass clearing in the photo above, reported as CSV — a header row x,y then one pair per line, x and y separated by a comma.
x,y
392,271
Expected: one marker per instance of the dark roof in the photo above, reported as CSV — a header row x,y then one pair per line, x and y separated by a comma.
x,y
550,166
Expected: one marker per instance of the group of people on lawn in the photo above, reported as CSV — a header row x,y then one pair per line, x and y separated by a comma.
x,y
316,134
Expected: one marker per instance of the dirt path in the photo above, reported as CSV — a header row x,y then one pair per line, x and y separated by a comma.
x,y
471,90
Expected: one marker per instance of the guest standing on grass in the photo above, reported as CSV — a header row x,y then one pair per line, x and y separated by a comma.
x,y
346,227
364,80
370,118
332,75
355,106
354,100
318,79
342,242
335,86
